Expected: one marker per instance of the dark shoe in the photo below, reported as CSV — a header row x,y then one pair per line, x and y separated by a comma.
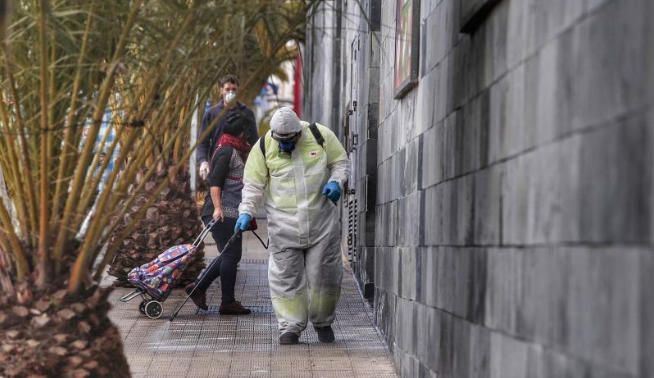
x,y
199,297
288,338
233,308
325,334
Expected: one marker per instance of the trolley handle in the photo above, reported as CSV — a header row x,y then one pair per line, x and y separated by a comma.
x,y
204,233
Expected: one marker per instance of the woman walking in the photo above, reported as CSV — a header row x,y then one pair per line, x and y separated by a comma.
x,y
225,184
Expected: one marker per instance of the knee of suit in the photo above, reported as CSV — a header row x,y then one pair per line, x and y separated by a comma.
x,y
292,308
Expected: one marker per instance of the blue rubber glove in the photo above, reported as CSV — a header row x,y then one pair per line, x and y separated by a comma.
x,y
332,191
243,222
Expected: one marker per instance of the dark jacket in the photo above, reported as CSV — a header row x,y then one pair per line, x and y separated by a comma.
x,y
206,147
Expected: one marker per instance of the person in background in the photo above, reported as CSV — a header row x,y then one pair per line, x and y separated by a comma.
x,y
227,106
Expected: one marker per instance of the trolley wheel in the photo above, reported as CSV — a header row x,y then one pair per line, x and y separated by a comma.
x,y
142,307
153,309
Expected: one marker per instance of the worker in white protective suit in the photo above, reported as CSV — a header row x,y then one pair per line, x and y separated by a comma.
x,y
299,171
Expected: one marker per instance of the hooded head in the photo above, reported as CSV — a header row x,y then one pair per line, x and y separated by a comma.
x,y
285,122
286,129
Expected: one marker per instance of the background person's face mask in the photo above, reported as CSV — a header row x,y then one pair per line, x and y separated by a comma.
x,y
230,97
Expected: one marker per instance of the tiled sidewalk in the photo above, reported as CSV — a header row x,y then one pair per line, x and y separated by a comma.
x,y
206,344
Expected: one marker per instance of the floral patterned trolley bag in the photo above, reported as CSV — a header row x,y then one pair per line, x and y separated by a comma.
x,y
155,280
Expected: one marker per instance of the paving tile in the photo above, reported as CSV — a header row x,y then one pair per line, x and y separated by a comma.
x,y
205,344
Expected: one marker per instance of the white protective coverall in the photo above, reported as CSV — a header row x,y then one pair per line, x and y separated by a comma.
x,y
305,267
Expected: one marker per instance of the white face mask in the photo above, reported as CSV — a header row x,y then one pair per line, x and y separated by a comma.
x,y
230,97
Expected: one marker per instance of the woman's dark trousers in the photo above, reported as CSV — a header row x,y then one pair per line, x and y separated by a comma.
x,y
225,267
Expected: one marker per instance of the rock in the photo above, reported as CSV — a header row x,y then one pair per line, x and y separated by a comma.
x,y
21,311
13,371
41,320
84,327
91,365
8,348
85,353
66,314
79,344
151,213
57,350
3,317
78,307
42,304
94,320
33,343
61,338
75,361
13,334
80,373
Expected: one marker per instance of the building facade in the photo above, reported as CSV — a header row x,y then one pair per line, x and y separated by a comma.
x,y
499,212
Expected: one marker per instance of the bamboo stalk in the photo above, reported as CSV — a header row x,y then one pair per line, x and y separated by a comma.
x,y
90,190
44,179
85,252
85,203
6,283
81,170
70,118
22,267
26,164
14,170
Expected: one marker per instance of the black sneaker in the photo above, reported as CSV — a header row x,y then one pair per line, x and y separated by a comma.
x,y
288,338
325,334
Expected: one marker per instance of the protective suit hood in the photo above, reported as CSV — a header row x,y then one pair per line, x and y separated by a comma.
x,y
285,121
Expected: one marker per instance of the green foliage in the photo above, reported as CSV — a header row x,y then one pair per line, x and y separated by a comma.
x,y
152,62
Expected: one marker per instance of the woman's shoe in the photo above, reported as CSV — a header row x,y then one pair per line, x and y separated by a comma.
x,y
233,308
199,297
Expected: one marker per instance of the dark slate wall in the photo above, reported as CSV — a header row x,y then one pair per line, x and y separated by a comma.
x,y
513,221
519,241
